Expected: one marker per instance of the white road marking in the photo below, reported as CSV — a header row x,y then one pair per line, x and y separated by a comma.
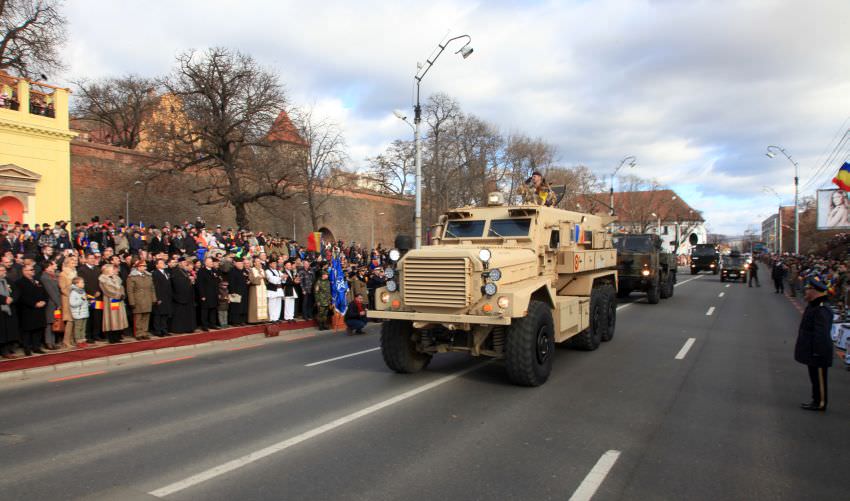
x,y
684,351
721,294
728,285
710,311
688,280
597,475
334,359
623,306
303,437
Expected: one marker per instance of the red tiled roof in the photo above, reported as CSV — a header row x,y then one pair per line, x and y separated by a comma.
x,y
283,130
633,206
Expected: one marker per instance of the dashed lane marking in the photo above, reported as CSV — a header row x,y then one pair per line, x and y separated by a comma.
x,y
597,475
303,437
710,311
688,280
159,362
728,285
334,359
684,351
721,294
76,376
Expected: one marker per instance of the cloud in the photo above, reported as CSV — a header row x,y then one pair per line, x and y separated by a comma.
x,y
696,90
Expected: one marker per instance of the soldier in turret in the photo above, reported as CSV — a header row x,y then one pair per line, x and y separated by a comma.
x,y
537,191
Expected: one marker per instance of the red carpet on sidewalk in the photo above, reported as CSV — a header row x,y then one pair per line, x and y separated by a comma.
x,y
156,343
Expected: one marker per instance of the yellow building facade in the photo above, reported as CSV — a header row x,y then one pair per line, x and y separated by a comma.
x,y
35,157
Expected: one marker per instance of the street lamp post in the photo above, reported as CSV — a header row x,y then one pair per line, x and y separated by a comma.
x,y
464,51
127,204
771,154
373,229
631,159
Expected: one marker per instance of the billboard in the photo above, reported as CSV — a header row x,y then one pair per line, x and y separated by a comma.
x,y
833,210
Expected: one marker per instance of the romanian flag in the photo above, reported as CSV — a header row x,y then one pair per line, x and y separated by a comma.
x,y
842,179
114,304
314,241
579,235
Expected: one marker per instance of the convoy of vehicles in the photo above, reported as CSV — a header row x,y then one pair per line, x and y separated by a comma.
x,y
643,266
705,257
501,281
734,267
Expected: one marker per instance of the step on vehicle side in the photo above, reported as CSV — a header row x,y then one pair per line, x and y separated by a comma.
x,y
643,266
502,281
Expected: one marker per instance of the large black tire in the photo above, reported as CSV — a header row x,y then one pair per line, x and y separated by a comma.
x,y
653,294
722,278
611,320
694,271
667,286
530,346
399,349
672,285
714,272
600,307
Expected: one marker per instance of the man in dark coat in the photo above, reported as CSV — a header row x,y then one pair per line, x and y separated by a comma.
x,y
754,274
31,299
163,307
8,318
778,275
183,293
814,343
237,283
90,271
207,289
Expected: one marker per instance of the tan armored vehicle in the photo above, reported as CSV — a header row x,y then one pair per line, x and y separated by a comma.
x,y
501,281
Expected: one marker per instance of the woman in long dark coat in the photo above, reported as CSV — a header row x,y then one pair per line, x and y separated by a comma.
x,y
183,320
238,281
9,334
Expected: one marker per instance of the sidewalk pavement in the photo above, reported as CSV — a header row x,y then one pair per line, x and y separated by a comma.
x,y
53,361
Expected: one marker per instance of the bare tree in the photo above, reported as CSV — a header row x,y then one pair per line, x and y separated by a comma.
x,y
222,105
31,34
523,156
322,171
639,199
121,106
394,169
582,188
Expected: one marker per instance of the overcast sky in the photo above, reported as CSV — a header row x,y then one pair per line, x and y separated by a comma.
x,y
695,90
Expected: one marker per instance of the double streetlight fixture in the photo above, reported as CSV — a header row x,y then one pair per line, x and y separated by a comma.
x,y
465,51
771,153
632,161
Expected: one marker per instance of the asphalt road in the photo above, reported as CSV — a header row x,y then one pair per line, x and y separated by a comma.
x,y
650,415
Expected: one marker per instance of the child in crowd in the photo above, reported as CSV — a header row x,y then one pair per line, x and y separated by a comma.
x,y
79,311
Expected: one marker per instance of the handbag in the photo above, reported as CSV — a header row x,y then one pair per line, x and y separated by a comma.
x,y
235,298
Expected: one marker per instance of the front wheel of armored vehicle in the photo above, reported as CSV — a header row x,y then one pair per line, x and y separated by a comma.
x,y
667,287
653,294
530,346
611,319
399,349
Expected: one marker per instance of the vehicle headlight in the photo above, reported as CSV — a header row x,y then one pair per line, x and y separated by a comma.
x,y
392,286
389,273
484,255
394,255
503,302
490,289
712,265
645,273
495,274
385,297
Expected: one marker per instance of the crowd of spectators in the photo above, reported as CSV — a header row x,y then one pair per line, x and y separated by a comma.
x,y
67,286
788,273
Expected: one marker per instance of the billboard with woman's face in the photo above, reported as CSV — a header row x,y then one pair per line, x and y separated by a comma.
x,y
833,210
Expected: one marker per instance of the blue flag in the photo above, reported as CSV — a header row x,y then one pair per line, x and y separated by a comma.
x,y
339,286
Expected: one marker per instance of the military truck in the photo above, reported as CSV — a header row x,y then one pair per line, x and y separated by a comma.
x,y
705,257
733,267
643,266
501,281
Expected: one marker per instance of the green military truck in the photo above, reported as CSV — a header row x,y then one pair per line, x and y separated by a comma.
x,y
643,266
733,267
705,257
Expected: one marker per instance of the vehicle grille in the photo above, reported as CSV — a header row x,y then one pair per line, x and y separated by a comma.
x,y
436,282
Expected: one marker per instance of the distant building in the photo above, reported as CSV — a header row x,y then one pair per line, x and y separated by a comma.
x,y
662,212
779,226
34,152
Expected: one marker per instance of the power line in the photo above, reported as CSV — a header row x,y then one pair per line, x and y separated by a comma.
x,y
817,179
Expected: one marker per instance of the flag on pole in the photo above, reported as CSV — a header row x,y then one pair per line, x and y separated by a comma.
x,y
339,286
842,179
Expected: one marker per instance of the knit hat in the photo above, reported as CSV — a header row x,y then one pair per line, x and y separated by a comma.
x,y
817,283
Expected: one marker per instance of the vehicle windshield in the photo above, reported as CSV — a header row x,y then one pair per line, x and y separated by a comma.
x,y
465,229
633,244
509,228
704,251
734,262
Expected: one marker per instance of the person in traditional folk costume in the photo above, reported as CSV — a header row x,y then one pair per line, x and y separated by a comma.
x,y
291,283
274,291
114,315
258,307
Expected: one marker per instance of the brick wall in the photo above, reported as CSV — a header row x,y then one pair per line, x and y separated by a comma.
x,y
102,176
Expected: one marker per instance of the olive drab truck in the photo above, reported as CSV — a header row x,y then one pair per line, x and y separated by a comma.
x,y
643,266
502,281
